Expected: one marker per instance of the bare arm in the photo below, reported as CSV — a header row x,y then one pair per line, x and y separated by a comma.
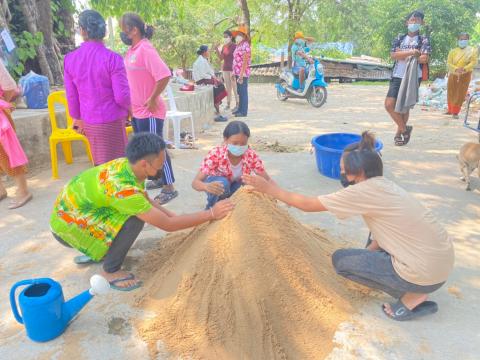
x,y
161,220
160,85
302,202
402,55
199,184
161,208
423,59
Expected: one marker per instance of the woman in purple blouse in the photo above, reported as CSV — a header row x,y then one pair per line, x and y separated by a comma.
x,y
97,91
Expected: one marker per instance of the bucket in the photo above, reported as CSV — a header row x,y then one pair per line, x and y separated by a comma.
x,y
329,149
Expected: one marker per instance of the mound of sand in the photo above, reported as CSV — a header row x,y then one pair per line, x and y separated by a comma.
x,y
255,285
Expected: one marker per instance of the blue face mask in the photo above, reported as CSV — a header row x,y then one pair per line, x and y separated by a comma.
x,y
413,28
299,42
462,43
237,150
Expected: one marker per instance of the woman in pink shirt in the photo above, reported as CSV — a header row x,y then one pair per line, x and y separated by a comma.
x,y
12,159
241,68
148,76
97,91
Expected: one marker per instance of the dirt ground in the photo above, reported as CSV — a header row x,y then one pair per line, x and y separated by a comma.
x,y
427,167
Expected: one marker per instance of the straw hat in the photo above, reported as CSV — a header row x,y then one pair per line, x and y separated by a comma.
x,y
241,30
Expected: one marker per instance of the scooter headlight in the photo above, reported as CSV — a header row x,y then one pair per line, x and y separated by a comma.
x,y
320,68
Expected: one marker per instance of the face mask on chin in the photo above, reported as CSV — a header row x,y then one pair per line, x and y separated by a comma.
x,y
344,181
125,39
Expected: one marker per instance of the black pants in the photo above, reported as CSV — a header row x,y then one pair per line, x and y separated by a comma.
x,y
155,125
124,240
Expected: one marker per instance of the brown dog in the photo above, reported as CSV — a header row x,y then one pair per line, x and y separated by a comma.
x,y
469,160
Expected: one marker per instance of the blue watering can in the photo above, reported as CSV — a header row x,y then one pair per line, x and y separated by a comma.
x,y
45,313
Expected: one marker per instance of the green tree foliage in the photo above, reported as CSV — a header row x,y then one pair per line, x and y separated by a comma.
x,y
370,25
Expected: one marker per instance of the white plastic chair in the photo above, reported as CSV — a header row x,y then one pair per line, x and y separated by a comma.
x,y
176,118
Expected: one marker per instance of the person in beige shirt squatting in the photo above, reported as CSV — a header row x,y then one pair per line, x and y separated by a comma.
x,y
410,256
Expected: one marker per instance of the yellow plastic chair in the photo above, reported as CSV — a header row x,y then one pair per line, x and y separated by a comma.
x,y
129,129
64,136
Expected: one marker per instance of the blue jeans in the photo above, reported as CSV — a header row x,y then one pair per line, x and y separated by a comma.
x,y
228,187
242,90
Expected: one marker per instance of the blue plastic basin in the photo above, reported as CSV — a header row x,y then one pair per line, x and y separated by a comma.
x,y
329,149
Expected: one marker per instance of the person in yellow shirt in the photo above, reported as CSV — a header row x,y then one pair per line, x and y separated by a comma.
x,y
461,62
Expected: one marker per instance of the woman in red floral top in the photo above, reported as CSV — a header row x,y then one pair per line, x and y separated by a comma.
x,y
221,171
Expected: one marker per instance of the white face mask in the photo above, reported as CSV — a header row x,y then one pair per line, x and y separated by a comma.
x,y
239,38
227,40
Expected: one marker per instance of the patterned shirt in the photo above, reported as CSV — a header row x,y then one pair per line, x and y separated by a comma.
x,y
405,42
92,208
217,163
242,49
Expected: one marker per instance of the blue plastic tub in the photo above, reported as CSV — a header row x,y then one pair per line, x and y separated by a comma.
x,y
329,149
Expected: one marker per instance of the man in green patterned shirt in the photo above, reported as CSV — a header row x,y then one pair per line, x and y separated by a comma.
x,y
101,211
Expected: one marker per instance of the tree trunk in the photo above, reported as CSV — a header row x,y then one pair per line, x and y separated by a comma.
x,y
45,25
38,16
245,19
67,43
5,15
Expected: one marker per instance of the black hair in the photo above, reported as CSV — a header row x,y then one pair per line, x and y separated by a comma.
x,y
132,20
236,127
463,34
202,49
415,14
93,23
363,161
144,145
366,143
228,32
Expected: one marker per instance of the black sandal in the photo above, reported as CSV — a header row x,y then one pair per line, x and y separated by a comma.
x,y
402,313
166,196
399,140
407,133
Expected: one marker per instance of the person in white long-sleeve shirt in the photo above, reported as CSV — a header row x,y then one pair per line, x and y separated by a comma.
x,y
204,74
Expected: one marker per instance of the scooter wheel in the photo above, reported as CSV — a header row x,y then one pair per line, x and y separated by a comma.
x,y
317,96
282,96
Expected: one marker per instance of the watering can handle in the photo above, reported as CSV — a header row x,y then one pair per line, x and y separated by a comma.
x,y
13,301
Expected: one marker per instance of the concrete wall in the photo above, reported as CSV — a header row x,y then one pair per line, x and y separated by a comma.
x,y
33,126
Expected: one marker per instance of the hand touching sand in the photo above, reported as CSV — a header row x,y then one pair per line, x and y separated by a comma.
x,y
222,209
258,183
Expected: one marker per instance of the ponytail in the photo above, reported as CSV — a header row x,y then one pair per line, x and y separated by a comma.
x,y
132,20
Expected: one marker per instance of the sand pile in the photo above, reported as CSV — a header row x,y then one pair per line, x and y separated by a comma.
x,y
256,285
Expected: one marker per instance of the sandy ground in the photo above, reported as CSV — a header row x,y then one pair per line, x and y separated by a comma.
x,y
426,167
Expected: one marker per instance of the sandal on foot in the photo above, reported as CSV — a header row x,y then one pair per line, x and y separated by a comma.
x,y
399,140
15,204
166,196
125,288
83,260
407,133
402,313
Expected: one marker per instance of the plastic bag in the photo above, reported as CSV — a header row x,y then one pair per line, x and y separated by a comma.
x,y
35,90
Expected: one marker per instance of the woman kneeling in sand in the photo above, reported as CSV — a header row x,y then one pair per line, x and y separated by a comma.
x,y
410,256
221,171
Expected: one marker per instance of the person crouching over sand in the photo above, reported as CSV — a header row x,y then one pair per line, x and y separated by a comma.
x,y
410,255
221,171
101,211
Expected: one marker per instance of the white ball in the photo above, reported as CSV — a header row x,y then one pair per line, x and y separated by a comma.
x,y
99,285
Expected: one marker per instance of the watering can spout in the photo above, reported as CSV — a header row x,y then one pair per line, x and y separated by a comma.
x,y
99,285
74,305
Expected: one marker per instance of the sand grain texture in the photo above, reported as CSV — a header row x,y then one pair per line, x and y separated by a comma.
x,y
255,285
